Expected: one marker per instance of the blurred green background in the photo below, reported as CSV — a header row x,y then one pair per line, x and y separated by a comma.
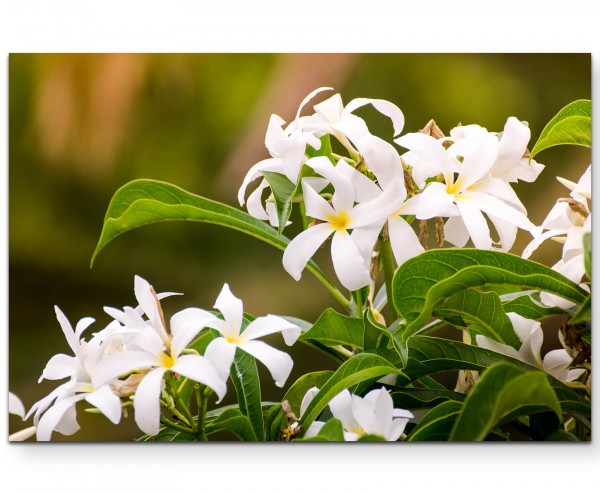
x,y
80,126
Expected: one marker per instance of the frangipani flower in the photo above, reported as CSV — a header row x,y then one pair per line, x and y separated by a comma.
x,y
84,383
350,252
16,407
154,350
556,362
468,190
374,414
221,351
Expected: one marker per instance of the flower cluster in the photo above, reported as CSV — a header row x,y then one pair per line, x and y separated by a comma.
x,y
375,192
137,355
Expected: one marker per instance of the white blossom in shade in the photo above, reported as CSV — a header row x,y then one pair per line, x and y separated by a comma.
x,y
567,223
374,414
468,190
556,362
354,227
16,407
221,350
155,352
332,117
56,412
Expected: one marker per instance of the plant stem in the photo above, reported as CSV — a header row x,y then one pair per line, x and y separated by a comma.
x,y
387,260
182,406
359,303
178,427
201,398
175,412
339,296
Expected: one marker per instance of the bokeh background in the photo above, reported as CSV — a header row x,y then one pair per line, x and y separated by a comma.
x,y
82,125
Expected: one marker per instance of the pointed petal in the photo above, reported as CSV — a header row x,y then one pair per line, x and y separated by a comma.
x,y
365,189
201,370
59,367
262,326
330,109
116,364
51,419
343,197
365,415
404,240
308,397
506,231
365,239
500,189
186,324
302,248
381,158
255,203
434,201
491,205
348,262
456,232
430,149
220,353
146,298
232,309
316,206
341,408
270,165
65,325
523,170
396,429
350,126
277,362
15,405
310,96
494,346
475,224
479,154
107,402
384,107
380,208
274,133
512,146
146,402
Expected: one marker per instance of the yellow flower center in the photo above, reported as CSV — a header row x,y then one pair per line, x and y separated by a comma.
x,y
339,221
357,430
167,361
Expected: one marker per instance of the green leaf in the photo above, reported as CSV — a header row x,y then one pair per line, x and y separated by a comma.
x,y
587,253
234,421
283,191
297,391
427,280
503,392
324,150
437,424
416,398
143,202
481,312
166,434
370,438
359,368
333,328
530,308
332,431
378,340
584,313
244,375
561,435
571,125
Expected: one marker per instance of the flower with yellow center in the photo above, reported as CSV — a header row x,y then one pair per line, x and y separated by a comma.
x,y
355,228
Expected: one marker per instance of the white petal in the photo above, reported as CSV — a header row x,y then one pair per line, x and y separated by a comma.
x,y
270,164
68,425
149,304
475,224
310,96
456,232
308,397
350,126
381,158
524,170
274,133
341,408
384,107
343,197
146,402
22,435
434,201
430,149
51,419
316,206
15,405
556,363
404,240
232,309
365,239
331,108
396,429
220,353
348,262
493,345
380,208
201,370
59,367
262,326
365,415
537,241
512,146
107,402
506,231
500,189
302,248
186,324
65,325
365,189
491,205
277,362
479,155
116,364
255,203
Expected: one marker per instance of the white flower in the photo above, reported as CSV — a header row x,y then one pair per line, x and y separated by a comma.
x,y
332,117
350,252
468,190
374,414
16,407
567,223
556,362
155,350
56,412
221,350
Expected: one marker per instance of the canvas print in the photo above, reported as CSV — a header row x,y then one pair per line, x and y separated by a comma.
x,y
300,247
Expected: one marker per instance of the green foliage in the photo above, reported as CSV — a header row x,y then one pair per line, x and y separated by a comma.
x,y
503,392
437,424
571,125
332,431
244,375
417,398
587,253
233,421
333,328
424,282
529,306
